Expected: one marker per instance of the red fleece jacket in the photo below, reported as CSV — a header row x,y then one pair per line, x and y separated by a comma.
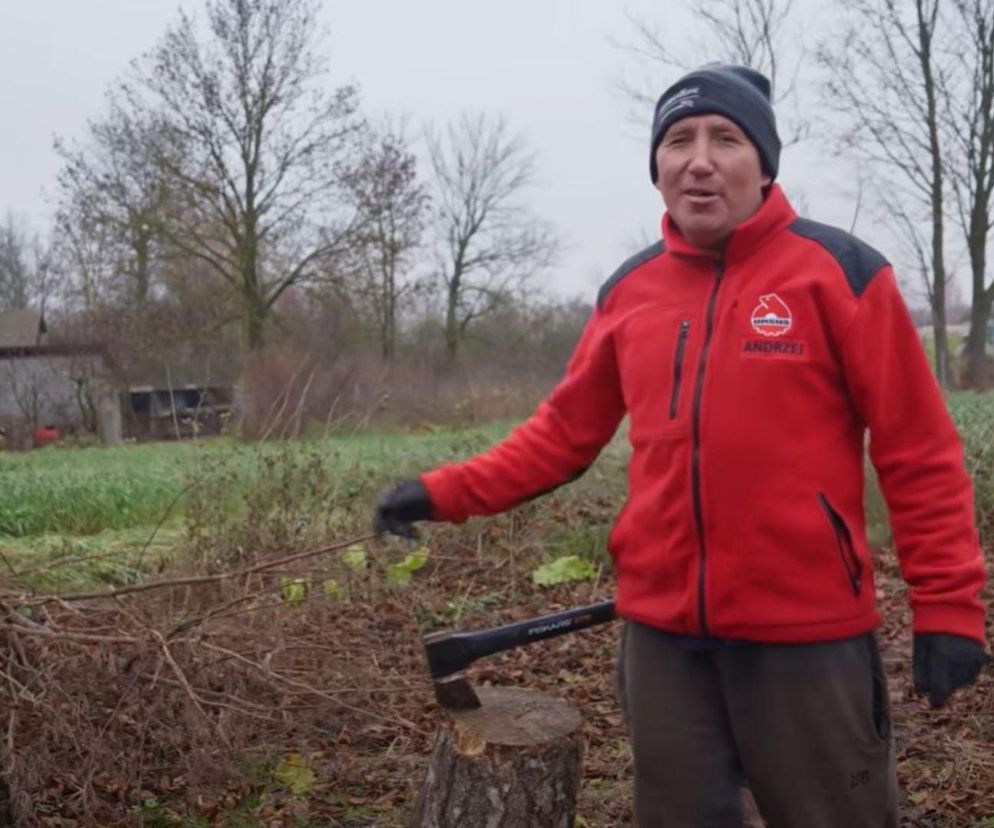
x,y
750,383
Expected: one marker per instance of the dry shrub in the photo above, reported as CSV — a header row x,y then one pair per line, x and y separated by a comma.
x,y
170,690
327,373
284,390
983,381
286,393
417,396
187,690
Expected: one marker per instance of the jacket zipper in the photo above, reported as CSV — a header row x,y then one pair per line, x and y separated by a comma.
x,y
843,543
695,466
681,344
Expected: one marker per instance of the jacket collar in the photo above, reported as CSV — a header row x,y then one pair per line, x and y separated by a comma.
x,y
774,215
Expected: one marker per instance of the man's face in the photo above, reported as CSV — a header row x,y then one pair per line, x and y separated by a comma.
x,y
710,176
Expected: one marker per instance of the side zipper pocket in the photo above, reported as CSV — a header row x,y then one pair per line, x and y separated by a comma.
x,y
843,542
681,345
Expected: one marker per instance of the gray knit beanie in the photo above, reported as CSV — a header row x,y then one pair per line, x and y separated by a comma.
x,y
737,92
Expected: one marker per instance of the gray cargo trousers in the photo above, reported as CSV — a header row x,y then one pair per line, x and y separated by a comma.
x,y
805,726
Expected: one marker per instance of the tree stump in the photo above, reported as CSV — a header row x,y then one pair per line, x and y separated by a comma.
x,y
513,763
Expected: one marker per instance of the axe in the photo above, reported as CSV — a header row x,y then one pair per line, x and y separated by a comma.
x,y
449,653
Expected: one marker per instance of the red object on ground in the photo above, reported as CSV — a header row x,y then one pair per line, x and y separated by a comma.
x,y
45,436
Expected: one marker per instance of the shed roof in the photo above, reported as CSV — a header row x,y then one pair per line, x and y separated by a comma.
x,y
22,329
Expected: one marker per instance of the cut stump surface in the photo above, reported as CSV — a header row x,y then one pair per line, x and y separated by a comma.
x,y
515,762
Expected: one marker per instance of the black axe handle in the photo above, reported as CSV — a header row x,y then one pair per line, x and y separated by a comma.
x,y
452,652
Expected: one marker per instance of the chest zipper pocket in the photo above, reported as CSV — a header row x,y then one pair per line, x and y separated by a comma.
x,y
681,346
843,542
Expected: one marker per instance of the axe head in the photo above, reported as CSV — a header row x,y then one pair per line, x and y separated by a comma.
x,y
450,653
448,656
456,693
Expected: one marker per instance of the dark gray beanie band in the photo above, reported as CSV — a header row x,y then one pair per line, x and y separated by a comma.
x,y
740,94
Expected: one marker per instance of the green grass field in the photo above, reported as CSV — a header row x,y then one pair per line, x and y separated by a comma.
x,y
84,501
91,490
103,515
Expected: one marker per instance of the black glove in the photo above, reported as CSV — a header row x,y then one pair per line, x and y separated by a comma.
x,y
398,508
943,662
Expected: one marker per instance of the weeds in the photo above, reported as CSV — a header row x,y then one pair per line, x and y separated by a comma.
x,y
272,645
90,490
973,413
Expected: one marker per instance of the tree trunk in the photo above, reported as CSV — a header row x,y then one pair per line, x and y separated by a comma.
x,y
141,269
943,372
980,310
513,763
976,343
926,35
452,320
254,292
253,324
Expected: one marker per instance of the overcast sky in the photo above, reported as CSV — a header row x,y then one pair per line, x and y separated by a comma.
x,y
550,66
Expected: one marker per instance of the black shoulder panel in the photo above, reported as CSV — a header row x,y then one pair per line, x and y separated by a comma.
x,y
857,259
627,267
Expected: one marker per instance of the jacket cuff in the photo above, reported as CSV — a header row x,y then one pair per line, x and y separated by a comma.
x,y
952,619
443,490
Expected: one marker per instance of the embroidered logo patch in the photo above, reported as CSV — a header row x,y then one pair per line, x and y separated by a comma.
x,y
683,99
771,317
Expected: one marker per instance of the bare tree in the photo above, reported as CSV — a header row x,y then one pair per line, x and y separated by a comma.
x,y
757,33
392,204
113,187
15,266
885,76
84,253
47,284
27,275
489,243
971,167
256,189
29,384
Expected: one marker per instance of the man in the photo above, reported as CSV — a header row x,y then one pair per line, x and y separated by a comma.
x,y
751,350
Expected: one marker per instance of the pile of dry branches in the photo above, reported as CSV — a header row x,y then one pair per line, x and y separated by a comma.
x,y
167,688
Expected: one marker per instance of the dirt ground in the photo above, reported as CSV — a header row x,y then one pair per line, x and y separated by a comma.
x,y
376,754
346,741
